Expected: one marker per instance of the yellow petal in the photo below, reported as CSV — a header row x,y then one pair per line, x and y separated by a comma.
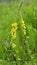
x,y
14,25
22,22
24,27
13,30
24,33
13,34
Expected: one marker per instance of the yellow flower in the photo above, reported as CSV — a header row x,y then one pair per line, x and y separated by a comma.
x,y
22,22
14,25
14,35
13,45
24,31
13,30
24,27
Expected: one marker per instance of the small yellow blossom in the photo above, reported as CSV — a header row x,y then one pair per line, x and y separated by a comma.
x,y
14,25
13,33
13,45
24,27
13,30
14,36
22,22
24,31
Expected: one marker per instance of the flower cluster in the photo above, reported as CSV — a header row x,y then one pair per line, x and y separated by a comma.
x,y
23,26
15,45
13,30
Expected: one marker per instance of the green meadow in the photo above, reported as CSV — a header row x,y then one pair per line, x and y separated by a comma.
x,y
22,50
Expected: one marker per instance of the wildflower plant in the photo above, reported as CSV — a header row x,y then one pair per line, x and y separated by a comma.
x,y
18,34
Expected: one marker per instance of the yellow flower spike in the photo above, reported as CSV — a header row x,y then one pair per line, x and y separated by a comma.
x,y
13,45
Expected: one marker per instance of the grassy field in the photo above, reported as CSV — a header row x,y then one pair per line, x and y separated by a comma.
x,y
23,49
